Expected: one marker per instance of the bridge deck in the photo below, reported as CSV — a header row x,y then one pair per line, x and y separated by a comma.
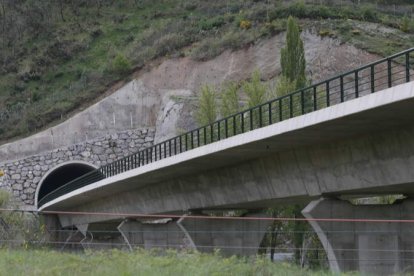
x,y
387,109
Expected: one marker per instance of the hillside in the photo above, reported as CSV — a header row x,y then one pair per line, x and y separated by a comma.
x,y
57,57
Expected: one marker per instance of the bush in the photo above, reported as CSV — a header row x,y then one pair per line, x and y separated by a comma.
x,y
214,46
230,99
169,43
211,23
255,90
245,24
284,87
207,109
121,65
405,24
273,27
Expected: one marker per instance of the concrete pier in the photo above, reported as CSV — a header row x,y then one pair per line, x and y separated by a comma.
x,y
232,236
356,239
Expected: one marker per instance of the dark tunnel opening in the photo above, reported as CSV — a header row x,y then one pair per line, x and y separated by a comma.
x,y
61,176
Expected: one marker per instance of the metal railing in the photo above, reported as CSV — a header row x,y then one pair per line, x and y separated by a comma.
x,y
365,80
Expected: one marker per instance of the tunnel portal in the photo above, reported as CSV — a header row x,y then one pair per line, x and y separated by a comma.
x,y
61,175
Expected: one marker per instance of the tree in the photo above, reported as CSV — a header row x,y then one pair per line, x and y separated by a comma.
x,y
255,90
230,99
293,65
207,107
292,59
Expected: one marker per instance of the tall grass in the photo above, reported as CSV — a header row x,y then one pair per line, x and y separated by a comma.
x,y
140,262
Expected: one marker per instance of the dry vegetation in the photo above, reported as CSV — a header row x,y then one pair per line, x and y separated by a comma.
x,y
56,56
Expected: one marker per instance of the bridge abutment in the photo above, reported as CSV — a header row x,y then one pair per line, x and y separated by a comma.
x,y
375,239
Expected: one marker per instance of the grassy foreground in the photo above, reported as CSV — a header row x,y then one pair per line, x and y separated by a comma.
x,y
43,262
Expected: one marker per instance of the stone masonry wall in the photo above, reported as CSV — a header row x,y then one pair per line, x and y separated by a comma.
x,y
22,176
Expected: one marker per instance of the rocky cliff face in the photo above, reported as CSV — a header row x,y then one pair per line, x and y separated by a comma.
x,y
165,96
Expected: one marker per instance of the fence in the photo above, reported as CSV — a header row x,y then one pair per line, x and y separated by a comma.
x,y
285,238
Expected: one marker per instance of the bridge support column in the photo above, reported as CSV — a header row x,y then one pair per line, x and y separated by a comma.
x,y
231,236
362,243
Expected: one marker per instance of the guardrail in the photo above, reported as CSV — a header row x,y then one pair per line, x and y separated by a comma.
x,y
376,76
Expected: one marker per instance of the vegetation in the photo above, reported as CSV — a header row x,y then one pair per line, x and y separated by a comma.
x,y
57,56
230,103
140,262
255,90
17,229
207,106
292,58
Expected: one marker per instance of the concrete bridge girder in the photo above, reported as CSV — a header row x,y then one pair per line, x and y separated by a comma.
x,y
375,163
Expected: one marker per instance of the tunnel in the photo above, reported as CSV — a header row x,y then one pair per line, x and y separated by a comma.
x,y
60,175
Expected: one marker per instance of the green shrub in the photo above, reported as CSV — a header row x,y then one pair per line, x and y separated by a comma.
x,y
35,96
207,106
230,99
211,23
121,65
369,13
284,86
405,24
169,43
274,27
255,90
4,198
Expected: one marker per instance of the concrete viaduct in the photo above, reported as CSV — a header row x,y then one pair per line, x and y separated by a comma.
x,y
348,136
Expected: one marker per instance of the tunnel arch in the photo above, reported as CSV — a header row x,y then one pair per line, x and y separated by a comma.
x,y
59,175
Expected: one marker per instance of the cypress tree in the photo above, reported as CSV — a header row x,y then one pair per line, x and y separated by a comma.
x,y
292,59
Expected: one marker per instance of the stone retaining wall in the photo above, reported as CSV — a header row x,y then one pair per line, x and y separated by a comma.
x,y
23,176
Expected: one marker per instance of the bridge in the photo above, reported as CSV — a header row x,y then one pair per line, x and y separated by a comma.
x,y
347,136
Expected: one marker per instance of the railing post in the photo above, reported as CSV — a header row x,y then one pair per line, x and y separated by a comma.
x,y
280,111
356,85
251,119
315,103
226,128
198,137
234,125
181,145
270,112
260,116
169,147
205,135
291,105
302,102
389,73
242,121
165,149
328,101
372,79
341,87
407,67
218,131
